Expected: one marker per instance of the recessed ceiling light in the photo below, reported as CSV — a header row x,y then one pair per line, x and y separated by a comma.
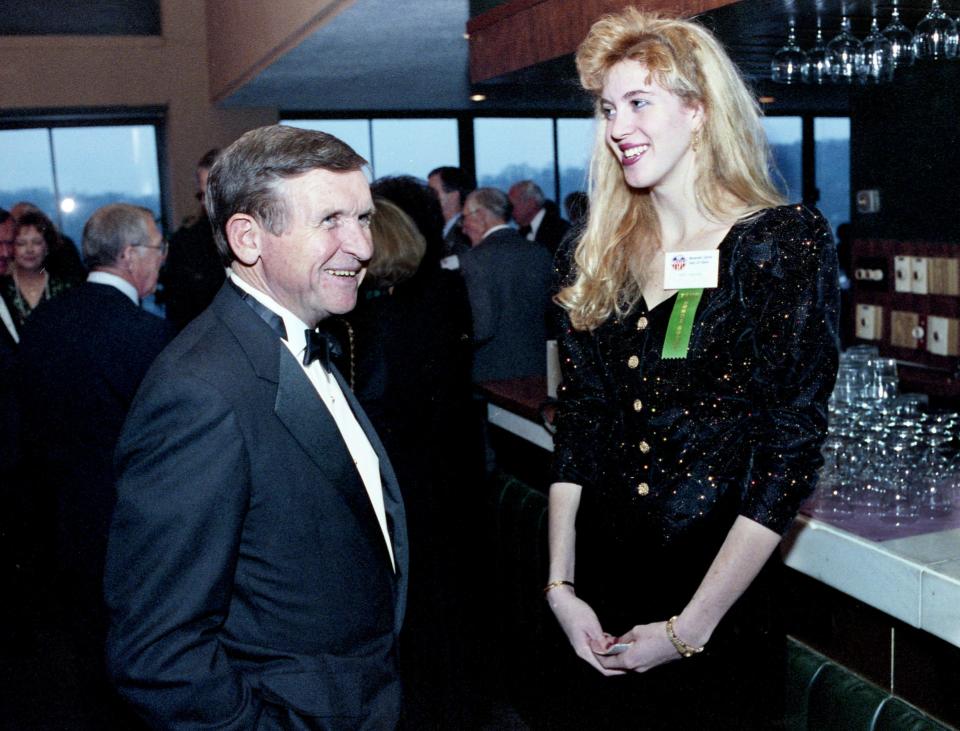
x,y
478,97
767,100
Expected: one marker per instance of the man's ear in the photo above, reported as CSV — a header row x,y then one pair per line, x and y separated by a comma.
x,y
245,236
126,254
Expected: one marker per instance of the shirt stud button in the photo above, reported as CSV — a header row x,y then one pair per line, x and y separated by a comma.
x,y
637,405
642,323
644,447
643,489
633,361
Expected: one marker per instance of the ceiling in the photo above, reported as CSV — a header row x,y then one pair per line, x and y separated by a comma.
x,y
374,55
388,55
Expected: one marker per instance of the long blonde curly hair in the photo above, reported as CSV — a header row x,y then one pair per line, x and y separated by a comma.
x,y
732,158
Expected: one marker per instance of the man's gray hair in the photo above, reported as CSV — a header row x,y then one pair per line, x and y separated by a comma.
x,y
494,200
110,229
246,176
530,191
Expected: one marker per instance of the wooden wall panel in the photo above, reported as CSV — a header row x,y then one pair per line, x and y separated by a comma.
x,y
523,33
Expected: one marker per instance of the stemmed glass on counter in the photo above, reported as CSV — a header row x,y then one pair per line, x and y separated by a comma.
x,y
884,455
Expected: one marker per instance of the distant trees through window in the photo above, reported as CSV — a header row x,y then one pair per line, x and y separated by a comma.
x,y
830,176
69,172
555,152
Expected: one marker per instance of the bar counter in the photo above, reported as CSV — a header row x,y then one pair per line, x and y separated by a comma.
x,y
914,578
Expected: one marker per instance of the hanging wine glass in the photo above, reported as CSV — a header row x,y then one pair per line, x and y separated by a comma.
x,y
936,35
876,56
787,64
844,51
901,39
817,68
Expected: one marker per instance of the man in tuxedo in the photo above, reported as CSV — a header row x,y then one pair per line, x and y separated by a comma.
x,y
452,186
508,282
538,220
81,358
257,567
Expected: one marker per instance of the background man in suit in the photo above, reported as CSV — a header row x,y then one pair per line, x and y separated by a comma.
x,y
8,330
256,572
537,218
193,273
81,358
452,186
508,281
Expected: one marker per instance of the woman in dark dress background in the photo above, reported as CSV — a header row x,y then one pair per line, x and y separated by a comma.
x,y
678,469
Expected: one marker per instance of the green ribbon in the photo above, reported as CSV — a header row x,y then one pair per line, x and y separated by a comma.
x,y
680,327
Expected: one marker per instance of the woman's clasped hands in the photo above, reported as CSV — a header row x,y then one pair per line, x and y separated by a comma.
x,y
642,648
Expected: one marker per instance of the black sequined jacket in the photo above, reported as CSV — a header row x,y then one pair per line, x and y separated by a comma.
x,y
673,448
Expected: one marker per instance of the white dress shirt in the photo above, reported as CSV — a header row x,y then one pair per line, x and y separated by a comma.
x,y
326,386
450,224
116,281
7,321
535,224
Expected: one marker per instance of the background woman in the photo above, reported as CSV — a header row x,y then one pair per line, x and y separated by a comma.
x,y
678,463
29,282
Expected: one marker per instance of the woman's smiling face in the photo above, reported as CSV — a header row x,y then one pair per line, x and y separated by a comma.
x,y
648,128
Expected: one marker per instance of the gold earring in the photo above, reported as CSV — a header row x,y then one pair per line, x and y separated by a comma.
x,y
695,141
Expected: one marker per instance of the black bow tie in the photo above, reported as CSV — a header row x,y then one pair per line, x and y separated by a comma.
x,y
524,231
320,346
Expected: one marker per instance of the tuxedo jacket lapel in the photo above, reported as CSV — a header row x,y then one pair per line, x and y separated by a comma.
x,y
392,500
309,421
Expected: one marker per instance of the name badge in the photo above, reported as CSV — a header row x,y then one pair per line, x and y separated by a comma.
x,y
691,269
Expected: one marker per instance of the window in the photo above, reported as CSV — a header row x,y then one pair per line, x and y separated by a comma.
x,y
785,135
99,165
414,146
28,169
394,146
574,146
831,137
513,149
69,172
355,132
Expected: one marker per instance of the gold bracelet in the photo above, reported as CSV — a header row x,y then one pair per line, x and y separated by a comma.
x,y
554,584
679,645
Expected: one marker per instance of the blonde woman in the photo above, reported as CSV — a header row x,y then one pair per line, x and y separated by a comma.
x,y
699,350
